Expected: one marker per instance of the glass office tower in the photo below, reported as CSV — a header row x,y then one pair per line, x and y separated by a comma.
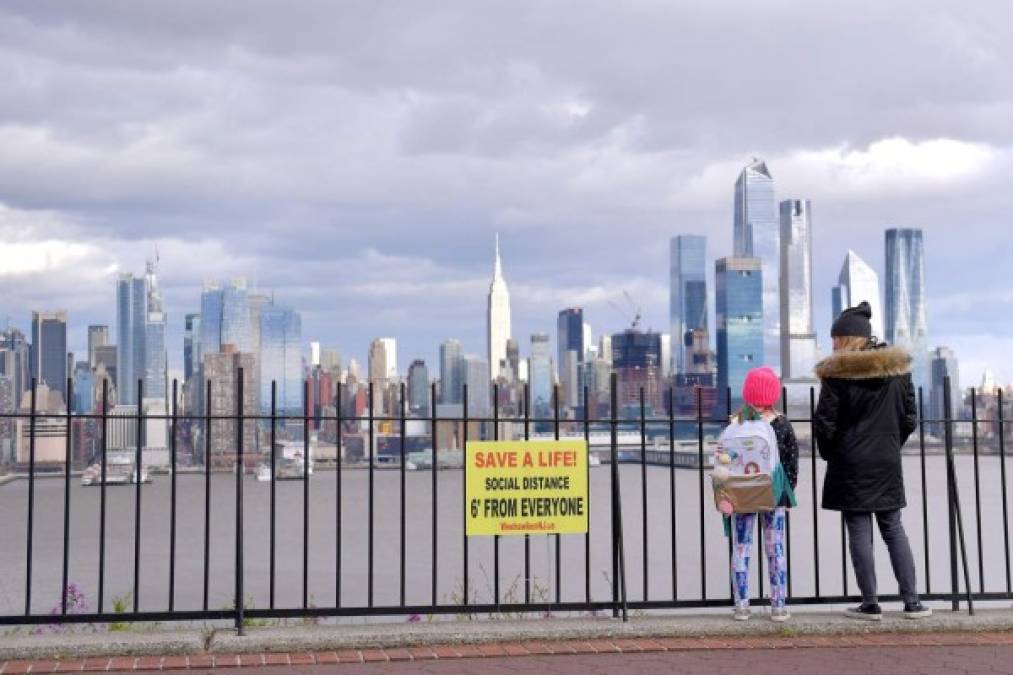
x,y
739,286
687,293
906,324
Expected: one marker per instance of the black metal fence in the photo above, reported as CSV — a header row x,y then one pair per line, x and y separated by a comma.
x,y
581,596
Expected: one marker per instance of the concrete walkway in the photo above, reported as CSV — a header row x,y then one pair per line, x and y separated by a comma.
x,y
158,642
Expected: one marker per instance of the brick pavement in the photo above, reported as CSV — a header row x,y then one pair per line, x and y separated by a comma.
x,y
928,653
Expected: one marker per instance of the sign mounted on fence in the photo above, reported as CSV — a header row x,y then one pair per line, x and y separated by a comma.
x,y
526,487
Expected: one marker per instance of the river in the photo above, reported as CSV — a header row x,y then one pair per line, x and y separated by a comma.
x,y
48,540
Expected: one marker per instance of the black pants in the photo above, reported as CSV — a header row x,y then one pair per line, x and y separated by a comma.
x,y
860,539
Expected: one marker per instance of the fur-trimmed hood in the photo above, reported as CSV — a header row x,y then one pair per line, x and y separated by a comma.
x,y
865,365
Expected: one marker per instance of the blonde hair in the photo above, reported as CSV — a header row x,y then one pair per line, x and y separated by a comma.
x,y
850,343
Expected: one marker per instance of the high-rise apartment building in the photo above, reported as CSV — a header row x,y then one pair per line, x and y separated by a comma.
x,y
222,368
757,235
451,372
281,358
687,309
906,324
514,359
569,353
798,338
378,365
498,318
49,350
739,286
858,283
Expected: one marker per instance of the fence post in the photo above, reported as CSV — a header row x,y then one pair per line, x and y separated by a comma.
x,y
955,503
31,500
239,504
950,512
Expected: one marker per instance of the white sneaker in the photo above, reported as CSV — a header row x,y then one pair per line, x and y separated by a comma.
x,y
780,614
741,614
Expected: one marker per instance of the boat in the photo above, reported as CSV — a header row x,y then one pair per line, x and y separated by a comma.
x,y
263,473
287,468
120,470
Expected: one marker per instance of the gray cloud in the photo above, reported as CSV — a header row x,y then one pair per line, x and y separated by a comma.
x,y
357,157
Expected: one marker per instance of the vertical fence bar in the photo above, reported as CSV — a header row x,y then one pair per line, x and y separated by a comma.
x,y
495,539
527,538
614,476
671,492
813,451
1005,508
977,488
306,494
372,431
102,498
951,481
700,468
643,493
787,512
844,556
240,469
434,493
66,501
955,494
31,500
274,495
207,494
731,522
173,496
403,439
464,505
139,479
925,493
587,535
337,497
555,428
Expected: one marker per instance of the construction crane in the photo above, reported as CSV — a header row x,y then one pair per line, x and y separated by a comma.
x,y
634,319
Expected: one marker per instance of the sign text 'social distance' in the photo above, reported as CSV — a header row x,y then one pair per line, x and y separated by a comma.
x,y
526,487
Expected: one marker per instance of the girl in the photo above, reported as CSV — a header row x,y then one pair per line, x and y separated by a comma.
x,y
760,392
865,415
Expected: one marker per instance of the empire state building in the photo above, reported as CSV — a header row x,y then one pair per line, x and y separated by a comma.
x,y
498,320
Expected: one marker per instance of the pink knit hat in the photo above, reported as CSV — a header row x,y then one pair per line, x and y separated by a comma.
x,y
762,388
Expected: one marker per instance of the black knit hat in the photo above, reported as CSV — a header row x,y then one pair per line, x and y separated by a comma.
x,y
853,322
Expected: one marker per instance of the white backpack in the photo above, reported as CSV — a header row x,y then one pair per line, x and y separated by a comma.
x,y
744,466
752,447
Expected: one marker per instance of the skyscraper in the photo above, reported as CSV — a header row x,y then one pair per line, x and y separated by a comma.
x,y
540,374
798,339
477,376
191,345
210,320
687,293
514,359
569,353
418,388
757,234
943,364
15,362
390,351
377,365
140,331
235,326
281,358
98,336
498,319
858,283
739,286
906,324
49,350
451,372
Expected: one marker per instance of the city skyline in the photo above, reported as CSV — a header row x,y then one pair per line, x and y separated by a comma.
x,y
353,186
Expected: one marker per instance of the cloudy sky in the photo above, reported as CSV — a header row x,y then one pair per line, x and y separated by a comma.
x,y
356,158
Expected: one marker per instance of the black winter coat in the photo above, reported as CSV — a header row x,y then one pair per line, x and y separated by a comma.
x,y
865,415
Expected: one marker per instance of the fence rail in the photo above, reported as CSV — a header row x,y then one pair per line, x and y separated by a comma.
x,y
653,559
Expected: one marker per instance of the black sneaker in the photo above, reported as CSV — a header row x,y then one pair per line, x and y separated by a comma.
x,y
916,610
865,612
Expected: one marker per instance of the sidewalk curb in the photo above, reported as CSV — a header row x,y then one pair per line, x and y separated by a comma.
x,y
306,639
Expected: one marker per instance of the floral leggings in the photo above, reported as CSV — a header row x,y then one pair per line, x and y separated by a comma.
x,y
743,525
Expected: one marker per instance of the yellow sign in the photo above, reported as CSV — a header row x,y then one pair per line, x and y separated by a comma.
x,y
526,487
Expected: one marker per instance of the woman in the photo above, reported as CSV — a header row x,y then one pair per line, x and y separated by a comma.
x,y
865,415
